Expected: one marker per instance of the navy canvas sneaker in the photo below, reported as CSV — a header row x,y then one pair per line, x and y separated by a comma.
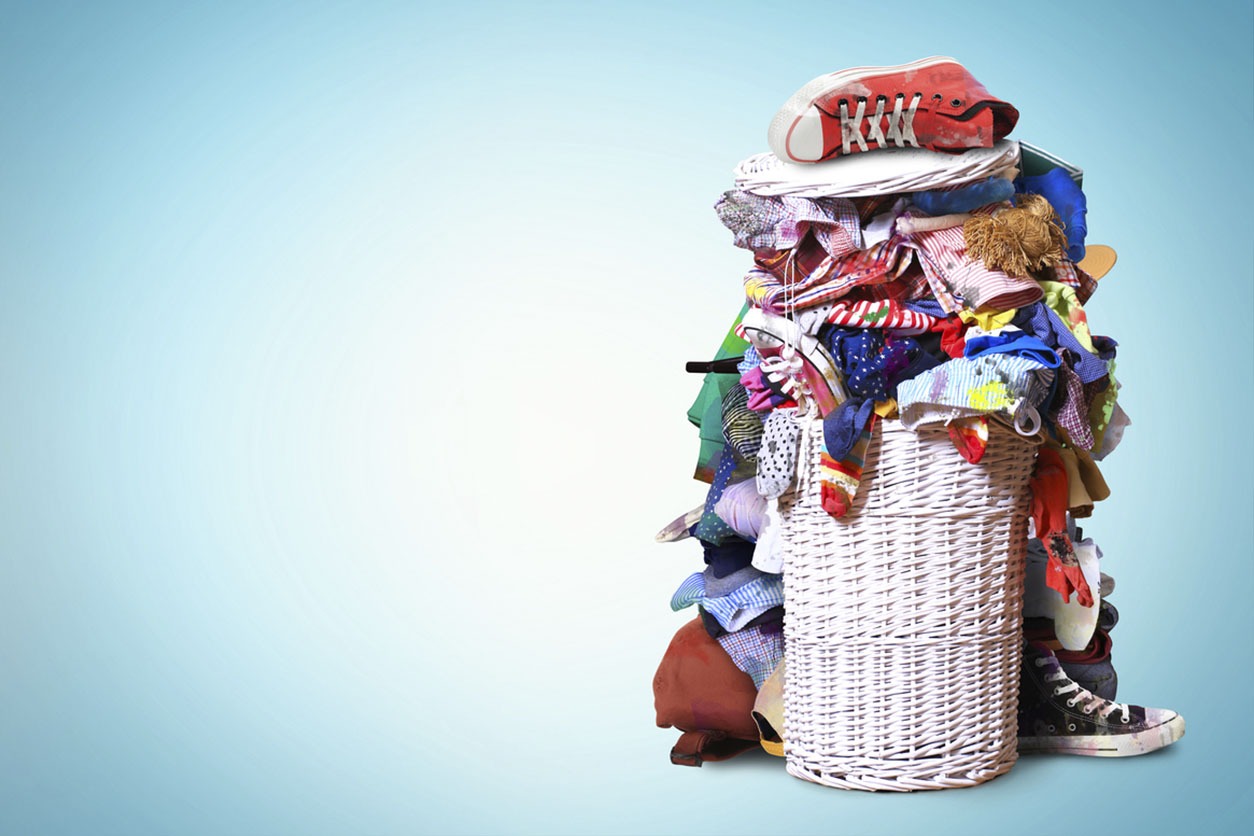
x,y
1057,715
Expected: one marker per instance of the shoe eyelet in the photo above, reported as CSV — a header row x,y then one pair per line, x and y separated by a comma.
x,y
901,95
1071,704
1071,727
955,102
861,99
1124,720
881,98
1051,728
1040,663
1057,692
938,97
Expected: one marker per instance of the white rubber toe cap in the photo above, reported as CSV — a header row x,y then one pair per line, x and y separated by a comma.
x,y
800,139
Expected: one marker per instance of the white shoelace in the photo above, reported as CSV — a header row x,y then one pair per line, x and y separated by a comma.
x,y
785,369
1092,702
900,124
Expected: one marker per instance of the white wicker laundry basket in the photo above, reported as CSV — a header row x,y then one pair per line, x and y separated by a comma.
x,y
902,629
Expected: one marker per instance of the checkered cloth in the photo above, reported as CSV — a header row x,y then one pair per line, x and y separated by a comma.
x,y
754,652
779,223
737,608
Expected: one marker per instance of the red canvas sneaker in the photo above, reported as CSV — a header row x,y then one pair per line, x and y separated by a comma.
x,y
933,103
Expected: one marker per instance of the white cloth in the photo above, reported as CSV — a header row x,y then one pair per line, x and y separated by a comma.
x,y
742,508
1073,624
768,553
883,171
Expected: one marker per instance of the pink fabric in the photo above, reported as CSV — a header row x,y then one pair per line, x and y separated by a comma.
x,y
949,270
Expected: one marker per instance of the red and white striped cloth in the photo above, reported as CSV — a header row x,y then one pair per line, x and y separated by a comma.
x,y
879,313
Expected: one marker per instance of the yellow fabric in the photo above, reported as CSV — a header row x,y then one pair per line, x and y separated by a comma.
x,y
1091,475
886,409
1085,483
768,712
988,320
755,290
1079,503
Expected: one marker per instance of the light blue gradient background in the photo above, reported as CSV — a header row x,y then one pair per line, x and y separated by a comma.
x,y
341,350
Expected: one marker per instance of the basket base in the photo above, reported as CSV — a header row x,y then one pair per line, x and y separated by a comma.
x,y
878,782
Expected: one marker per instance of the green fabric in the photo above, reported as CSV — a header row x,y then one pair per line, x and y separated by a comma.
x,y
707,410
1103,408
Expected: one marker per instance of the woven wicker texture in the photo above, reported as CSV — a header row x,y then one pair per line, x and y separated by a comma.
x,y
903,622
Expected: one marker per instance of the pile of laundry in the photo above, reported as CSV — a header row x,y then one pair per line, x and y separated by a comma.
x,y
909,263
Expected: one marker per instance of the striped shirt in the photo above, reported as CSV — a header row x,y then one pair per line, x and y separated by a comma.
x,y
737,608
967,386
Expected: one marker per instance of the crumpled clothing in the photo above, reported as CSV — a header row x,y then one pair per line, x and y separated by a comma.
x,y
711,529
973,386
1069,273
706,411
839,479
755,651
988,321
742,508
768,555
806,275
733,554
870,362
737,608
1041,321
1011,342
1063,301
777,458
964,198
885,314
764,394
1050,498
750,361
954,275
771,621
742,427
952,328
780,223
716,587
970,437
1085,483
1112,433
1072,414
842,428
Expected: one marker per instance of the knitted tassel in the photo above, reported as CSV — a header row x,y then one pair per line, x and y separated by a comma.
x,y
1017,240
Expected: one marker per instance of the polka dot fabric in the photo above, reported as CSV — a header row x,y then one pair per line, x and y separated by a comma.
x,y
777,458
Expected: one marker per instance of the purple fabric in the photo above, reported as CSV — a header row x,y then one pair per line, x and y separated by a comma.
x,y
1041,321
1072,414
761,222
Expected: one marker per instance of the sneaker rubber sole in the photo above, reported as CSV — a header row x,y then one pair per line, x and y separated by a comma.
x,y
1168,729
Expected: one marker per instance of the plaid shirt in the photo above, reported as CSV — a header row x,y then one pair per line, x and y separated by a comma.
x,y
808,275
818,277
1069,273
779,223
